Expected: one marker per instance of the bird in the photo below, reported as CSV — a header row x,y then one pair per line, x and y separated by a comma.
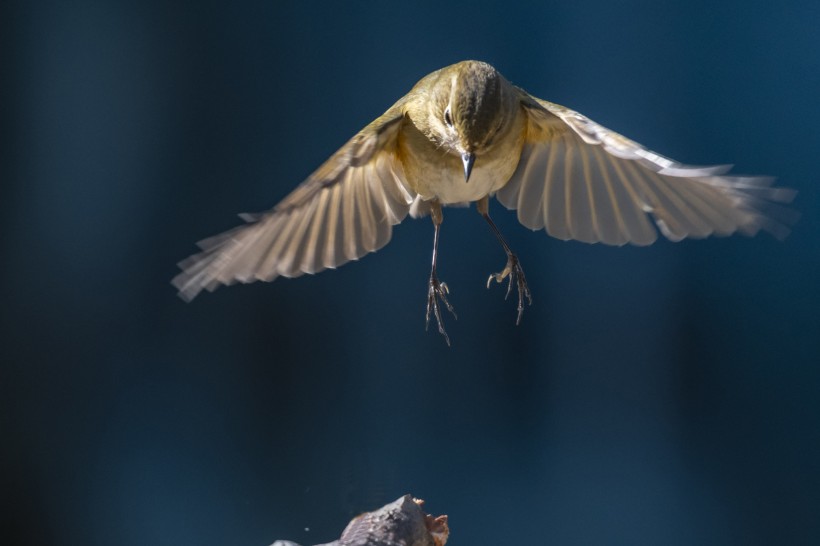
x,y
464,134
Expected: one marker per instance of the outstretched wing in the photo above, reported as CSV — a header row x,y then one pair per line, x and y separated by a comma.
x,y
579,180
344,210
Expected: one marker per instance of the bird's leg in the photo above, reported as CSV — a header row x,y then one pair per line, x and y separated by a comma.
x,y
437,290
512,269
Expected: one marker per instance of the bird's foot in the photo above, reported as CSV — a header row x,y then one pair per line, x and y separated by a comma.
x,y
436,291
515,274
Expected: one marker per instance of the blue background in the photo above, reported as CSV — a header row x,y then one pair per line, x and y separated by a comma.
x,y
662,395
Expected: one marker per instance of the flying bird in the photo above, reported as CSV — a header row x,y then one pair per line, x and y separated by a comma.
x,y
464,134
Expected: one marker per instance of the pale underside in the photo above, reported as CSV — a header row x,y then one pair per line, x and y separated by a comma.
x,y
574,178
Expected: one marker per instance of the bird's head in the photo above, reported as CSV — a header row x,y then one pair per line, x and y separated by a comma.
x,y
471,105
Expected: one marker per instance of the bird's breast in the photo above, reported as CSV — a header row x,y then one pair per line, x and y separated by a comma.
x,y
436,173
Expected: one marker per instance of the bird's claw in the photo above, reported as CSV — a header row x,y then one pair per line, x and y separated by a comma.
x,y
514,272
436,291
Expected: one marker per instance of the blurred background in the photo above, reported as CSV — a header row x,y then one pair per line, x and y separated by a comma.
x,y
663,395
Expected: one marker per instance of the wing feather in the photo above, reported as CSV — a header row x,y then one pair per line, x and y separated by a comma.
x,y
583,204
532,191
317,236
638,228
556,220
609,224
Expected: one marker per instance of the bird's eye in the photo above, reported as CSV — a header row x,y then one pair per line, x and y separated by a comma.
x,y
447,118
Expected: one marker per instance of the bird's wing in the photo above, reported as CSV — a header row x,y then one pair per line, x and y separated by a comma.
x,y
344,210
579,180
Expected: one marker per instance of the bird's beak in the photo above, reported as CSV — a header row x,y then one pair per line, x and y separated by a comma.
x,y
468,159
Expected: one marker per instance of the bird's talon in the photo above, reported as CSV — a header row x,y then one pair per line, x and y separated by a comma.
x,y
514,273
437,291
